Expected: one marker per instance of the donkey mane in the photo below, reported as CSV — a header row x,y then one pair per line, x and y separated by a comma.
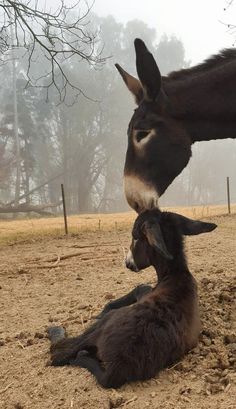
x,y
215,61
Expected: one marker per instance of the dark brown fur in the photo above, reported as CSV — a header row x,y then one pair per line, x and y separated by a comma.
x,y
136,342
194,104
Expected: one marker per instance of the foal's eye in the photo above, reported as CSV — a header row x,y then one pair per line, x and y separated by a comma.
x,y
141,135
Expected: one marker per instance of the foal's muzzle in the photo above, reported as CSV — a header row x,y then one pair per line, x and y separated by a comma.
x,y
129,262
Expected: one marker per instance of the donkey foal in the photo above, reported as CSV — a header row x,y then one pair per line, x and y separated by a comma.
x,y
136,341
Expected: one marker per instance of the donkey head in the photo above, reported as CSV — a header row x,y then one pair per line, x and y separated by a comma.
x,y
157,238
158,145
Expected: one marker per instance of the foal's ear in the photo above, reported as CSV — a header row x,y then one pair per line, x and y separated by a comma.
x,y
132,83
191,227
148,71
153,233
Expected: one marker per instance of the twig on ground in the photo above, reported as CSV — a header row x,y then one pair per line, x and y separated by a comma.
x,y
65,256
82,320
7,387
173,366
129,401
57,261
77,246
58,258
21,345
86,259
83,260
26,279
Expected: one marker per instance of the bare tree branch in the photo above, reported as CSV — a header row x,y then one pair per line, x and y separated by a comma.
x,y
228,4
61,35
231,26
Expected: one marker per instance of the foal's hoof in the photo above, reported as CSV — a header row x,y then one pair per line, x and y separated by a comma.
x,y
84,352
80,359
56,334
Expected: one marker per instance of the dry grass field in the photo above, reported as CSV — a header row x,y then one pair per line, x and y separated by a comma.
x,y
13,231
49,279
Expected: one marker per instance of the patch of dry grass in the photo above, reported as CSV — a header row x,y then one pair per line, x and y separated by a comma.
x,y
12,231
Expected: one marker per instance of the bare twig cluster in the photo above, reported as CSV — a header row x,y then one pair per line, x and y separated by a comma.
x,y
59,34
228,4
231,26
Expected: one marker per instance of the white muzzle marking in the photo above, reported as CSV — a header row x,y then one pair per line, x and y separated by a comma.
x,y
130,263
139,194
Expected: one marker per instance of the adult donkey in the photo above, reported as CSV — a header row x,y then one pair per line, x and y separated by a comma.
x,y
195,104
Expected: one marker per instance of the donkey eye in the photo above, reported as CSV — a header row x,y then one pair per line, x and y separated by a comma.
x,y
141,135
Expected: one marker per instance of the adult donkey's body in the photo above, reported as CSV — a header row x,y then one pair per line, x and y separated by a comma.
x,y
195,104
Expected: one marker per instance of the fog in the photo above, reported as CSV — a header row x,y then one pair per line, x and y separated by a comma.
x,y
82,141
198,24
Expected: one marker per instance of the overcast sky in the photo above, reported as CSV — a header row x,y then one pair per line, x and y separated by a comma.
x,y
195,22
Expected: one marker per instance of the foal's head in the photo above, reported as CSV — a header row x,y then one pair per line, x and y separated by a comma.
x,y
157,238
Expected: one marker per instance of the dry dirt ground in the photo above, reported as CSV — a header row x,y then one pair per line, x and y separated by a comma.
x,y
40,286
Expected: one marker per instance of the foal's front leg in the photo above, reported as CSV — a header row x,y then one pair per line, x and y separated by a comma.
x,y
106,378
128,299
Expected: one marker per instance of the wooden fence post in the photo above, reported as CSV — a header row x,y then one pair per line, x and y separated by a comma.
x,y
228,194
64,208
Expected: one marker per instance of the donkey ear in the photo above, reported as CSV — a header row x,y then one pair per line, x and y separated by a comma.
x,y
148,71
191,227
132,83
153,233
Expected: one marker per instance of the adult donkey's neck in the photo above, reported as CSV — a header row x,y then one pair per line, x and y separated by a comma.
x,y
204,97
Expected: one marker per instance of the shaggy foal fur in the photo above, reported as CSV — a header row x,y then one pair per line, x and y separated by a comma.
x,y
135,342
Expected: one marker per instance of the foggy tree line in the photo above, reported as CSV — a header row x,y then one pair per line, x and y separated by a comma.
x,y
83,144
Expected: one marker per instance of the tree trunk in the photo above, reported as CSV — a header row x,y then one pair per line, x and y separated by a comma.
x,y
17,141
